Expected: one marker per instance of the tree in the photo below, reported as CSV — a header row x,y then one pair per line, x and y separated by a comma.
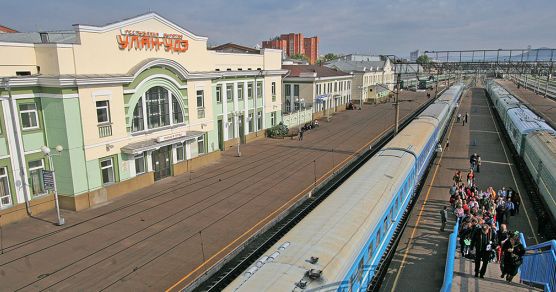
x,y
423,59
327,57
299,57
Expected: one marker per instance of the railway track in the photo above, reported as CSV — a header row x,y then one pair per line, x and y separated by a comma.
x,y
255,249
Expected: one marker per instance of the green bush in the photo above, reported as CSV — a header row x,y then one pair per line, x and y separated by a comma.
x,y
279,130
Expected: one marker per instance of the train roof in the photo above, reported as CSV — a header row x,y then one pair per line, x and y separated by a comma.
x,y
435,110
526,121
412,137
335,231
450,94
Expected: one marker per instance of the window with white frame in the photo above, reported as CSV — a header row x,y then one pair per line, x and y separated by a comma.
x,y
229,91
140,166
251,122
250,90
103,111
259,120
240,91
158,107
35,177
201,144
259,89
107,170
219,93
200,98
230,127
5,193
180,152
273,91
273,118
29,116
296,96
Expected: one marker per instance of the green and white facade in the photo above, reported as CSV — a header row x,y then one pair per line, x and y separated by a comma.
x,y
126,115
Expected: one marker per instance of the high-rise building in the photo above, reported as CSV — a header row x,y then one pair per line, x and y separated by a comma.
x,y
294,44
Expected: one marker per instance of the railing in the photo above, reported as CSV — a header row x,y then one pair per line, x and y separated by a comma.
x,y
200,112
104,130
297,118
539,264
537,85
449,269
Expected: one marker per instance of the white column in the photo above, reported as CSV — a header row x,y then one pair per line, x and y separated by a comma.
x,y
245,109
225,111
18,173
236,109
263,103
188,149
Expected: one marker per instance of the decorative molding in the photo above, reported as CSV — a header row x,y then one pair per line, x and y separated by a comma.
x,y
130,91
135,20
47,95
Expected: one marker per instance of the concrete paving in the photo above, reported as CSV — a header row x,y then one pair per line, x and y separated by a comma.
x,y
419,262
545,107
176,229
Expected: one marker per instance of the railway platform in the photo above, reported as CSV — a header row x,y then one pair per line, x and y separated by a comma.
x,y
545,107
166,235
419,260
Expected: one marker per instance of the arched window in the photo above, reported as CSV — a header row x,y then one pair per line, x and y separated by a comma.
x,y
158,107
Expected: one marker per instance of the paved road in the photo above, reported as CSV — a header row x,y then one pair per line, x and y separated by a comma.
x,y
419,262
152,238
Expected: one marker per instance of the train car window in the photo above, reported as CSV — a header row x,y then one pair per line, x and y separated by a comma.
x,y
386,223
359,271
370,252
377,242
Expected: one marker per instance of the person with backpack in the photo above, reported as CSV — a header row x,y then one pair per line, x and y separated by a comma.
x,y
513,256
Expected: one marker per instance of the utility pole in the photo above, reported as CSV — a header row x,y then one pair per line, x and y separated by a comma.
x,y
397,103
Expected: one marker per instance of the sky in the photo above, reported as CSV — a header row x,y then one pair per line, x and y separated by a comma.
x,y
343,26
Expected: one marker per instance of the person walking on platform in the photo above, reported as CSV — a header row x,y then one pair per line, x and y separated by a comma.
x,y
466,117
301,135
482,244
478,163
447,143
459,118
513,256
443,218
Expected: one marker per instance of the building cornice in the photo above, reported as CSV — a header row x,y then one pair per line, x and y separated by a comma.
x,y
134,20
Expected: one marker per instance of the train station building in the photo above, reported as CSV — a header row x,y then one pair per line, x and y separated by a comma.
x,y
323,89
130,102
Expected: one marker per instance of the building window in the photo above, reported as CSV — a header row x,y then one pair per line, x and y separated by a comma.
x,y
250,90
140,163
29,116
138,122
240,91
219,93
155,105
5,194
296,96
288,91
230,127
35,177
180,152
288,105
230,92
103,111
200,98
158,107
273,91
107,170
273,118
259,120
201,144
259,89
251,122
177,116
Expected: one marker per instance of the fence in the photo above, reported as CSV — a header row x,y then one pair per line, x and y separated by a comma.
x,y
297,118
449,269
539,264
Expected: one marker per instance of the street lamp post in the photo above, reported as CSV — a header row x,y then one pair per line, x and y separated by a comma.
x,y
47,152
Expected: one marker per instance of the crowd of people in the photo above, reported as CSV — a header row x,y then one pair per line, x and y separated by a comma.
x,y
483,218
